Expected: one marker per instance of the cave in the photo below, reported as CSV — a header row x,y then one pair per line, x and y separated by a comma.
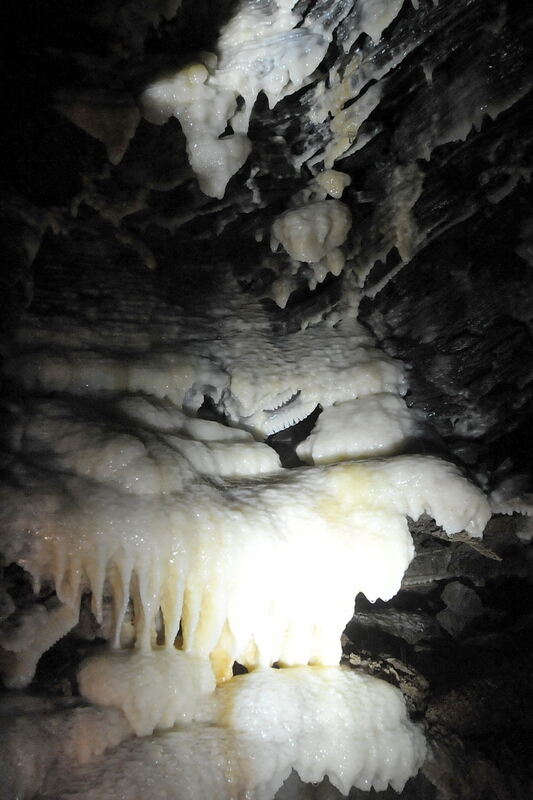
x,y
266,494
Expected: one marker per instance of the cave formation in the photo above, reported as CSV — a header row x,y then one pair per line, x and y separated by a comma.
x,y
259,253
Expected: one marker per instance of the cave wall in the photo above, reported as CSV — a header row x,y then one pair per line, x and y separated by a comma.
x,y
428,108
431,121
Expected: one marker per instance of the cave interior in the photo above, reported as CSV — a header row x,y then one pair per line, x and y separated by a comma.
x,y
256,251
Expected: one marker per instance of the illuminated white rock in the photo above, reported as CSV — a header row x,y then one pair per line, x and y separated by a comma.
x,y
117,491
155,690
328,721
248,373
30,633
415,485
275,64
273,386
318,721
43,738
375,15
203,112
157,450
206,556
310,232
333,182
258,50
177,377
265,48
346,124
377,425
196,522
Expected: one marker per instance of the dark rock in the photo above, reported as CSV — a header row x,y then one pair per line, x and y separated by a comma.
x,y
463,606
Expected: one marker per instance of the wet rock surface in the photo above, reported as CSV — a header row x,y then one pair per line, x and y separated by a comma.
x,y
438,110
468,682
438,144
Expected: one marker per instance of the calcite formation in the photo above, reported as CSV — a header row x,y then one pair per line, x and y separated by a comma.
x,y
120,489
250,221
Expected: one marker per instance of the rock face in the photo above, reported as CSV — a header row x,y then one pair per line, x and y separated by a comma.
x,y
424,107
354,173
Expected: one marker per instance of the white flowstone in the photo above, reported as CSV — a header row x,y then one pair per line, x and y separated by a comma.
x,y
155,690
377,425
258,50
310,232
318,721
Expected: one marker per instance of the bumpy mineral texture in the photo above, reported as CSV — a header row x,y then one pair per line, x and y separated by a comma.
x,y
290,207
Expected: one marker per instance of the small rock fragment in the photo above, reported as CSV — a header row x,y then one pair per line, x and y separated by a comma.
x,y
463,607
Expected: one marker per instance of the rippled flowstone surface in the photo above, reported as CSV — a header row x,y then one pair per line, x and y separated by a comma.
x,y
243,237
